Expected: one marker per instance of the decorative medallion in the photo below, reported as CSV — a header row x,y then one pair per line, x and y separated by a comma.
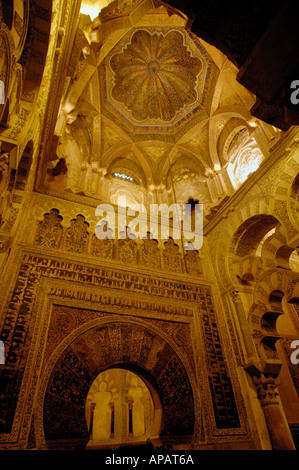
x,y
157,80
155,76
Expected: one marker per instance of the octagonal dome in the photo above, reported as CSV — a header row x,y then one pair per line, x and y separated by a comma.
x,y
157,80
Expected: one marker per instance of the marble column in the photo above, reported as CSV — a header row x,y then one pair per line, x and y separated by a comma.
x,y
92,407
250,350
84,168
278,428
94,178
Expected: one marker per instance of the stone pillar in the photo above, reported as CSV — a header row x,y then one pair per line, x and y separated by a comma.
x,y
101,176
265,383
92,407
279,431
94,178
130,408
112,420
160,194
84,168
250,350
212,189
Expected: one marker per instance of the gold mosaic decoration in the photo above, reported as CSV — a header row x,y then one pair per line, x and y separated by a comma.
x,y
155,76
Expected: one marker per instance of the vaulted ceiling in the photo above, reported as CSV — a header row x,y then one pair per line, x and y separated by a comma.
x,y
147,103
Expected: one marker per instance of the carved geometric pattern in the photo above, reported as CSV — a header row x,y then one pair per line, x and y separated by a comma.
x,y
102,248
155,75
226,414
106,346
49,231
172,260
149,253
127,247
76,237
193,263
17,326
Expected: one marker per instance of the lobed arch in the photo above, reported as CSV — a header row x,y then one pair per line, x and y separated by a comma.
x,y
85,349
278,249
183,163
230,132
177,156
129,167
276,252
272,298
230,249
272,251
250,233
247,270
227,250
286,193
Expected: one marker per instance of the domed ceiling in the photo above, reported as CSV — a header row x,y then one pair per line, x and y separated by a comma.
x,y
157,80
150,111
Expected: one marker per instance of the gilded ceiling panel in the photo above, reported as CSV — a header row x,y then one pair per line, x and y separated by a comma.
x,y
157,79
155,76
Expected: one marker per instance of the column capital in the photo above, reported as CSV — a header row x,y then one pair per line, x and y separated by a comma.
x,y
266,390
235,296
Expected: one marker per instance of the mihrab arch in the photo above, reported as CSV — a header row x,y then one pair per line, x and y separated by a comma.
x,y
125,344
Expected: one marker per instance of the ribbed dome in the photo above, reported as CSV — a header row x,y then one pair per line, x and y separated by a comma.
x,y
155,75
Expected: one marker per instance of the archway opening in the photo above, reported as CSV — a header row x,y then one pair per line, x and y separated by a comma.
x,y
122,409
251,233
113,345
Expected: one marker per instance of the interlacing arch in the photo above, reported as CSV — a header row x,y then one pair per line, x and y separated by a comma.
x,y
271,252
262,260
239,237
272,297
239,251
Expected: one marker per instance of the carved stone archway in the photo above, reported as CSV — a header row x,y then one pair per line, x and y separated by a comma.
x,y
125,344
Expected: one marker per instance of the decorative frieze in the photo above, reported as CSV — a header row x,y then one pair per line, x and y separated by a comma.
x,y
118,291
49,231
78,238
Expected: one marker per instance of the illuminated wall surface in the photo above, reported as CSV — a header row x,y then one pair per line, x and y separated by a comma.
x,y
119,407
117,327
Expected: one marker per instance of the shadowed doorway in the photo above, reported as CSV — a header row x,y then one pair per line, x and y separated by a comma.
x,y
121,410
